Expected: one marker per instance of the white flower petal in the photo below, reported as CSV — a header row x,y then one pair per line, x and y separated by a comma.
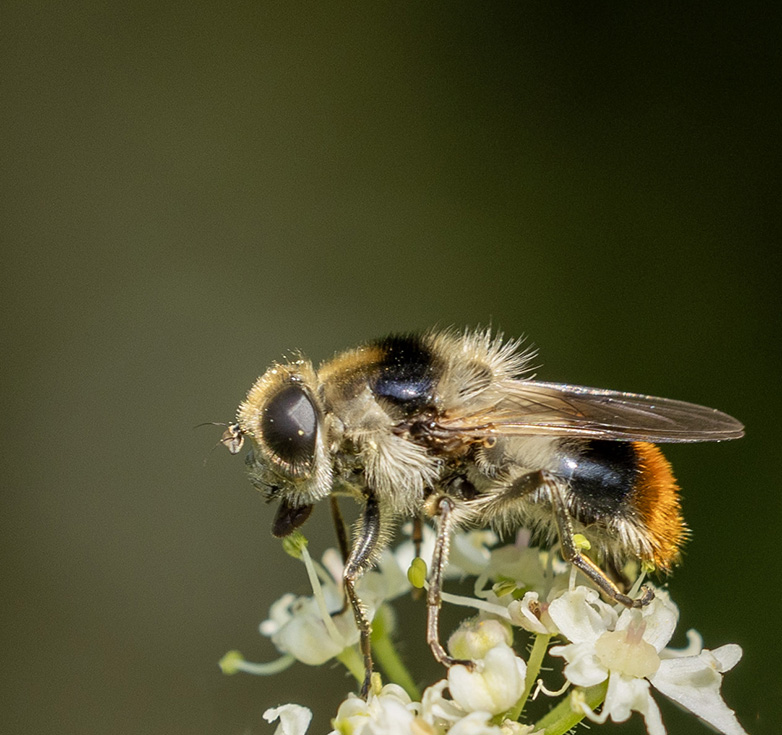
x,y
625,695
279,615
476,723
294,719
653,718
387,713
303,627
352,706
694,683
305,635
392,718
494,687
475,637
727,656
532,615
469,551
581,616
583,667
436,709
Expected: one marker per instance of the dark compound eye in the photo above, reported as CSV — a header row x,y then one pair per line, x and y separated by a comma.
x,y
290,425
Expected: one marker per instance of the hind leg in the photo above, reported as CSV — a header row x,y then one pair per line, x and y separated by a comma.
x,y
550,488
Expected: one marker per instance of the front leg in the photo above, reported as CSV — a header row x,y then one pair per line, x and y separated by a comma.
x,y
340,528
365,545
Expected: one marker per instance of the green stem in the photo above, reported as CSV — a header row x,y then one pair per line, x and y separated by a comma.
x,y
536,656
387,656
562,718
352,661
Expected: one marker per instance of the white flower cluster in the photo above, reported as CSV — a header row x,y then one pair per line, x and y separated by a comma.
x,y
477,697
619,653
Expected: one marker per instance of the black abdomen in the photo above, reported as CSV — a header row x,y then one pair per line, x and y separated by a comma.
x,y
601,475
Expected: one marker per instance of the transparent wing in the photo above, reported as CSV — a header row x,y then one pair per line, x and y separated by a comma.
x,y
558,409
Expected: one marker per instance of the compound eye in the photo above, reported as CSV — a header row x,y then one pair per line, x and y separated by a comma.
x,y
290,424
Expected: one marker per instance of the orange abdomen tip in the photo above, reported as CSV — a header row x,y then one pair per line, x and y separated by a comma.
x,y
656,497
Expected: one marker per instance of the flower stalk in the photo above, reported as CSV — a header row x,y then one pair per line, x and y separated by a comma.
x,y
535,661
351,659
386,654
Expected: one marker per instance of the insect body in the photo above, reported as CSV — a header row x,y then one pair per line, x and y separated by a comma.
x,y
444,425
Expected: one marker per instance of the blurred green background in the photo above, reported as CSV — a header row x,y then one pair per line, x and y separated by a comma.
x,y
191,189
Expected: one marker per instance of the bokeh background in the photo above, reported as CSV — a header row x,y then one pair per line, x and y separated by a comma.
x,y
191,189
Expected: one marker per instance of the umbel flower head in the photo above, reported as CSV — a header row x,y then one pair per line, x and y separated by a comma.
x,y
615,659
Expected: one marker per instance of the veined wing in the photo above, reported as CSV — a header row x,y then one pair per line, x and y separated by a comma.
x,y
529,408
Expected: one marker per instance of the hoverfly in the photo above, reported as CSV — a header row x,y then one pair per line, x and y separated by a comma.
x,y
445,426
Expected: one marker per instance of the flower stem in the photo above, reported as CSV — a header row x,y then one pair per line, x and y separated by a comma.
x,y
352,661
562,718
536,656
387,656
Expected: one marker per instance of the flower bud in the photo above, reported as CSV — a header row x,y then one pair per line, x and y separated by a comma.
x,y
494,686
475,637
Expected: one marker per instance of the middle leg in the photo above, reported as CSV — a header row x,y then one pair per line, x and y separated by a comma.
x,y
445,526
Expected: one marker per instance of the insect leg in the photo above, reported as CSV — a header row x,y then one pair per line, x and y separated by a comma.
x,y
445,526
361,555
572,554
418,535
340,528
